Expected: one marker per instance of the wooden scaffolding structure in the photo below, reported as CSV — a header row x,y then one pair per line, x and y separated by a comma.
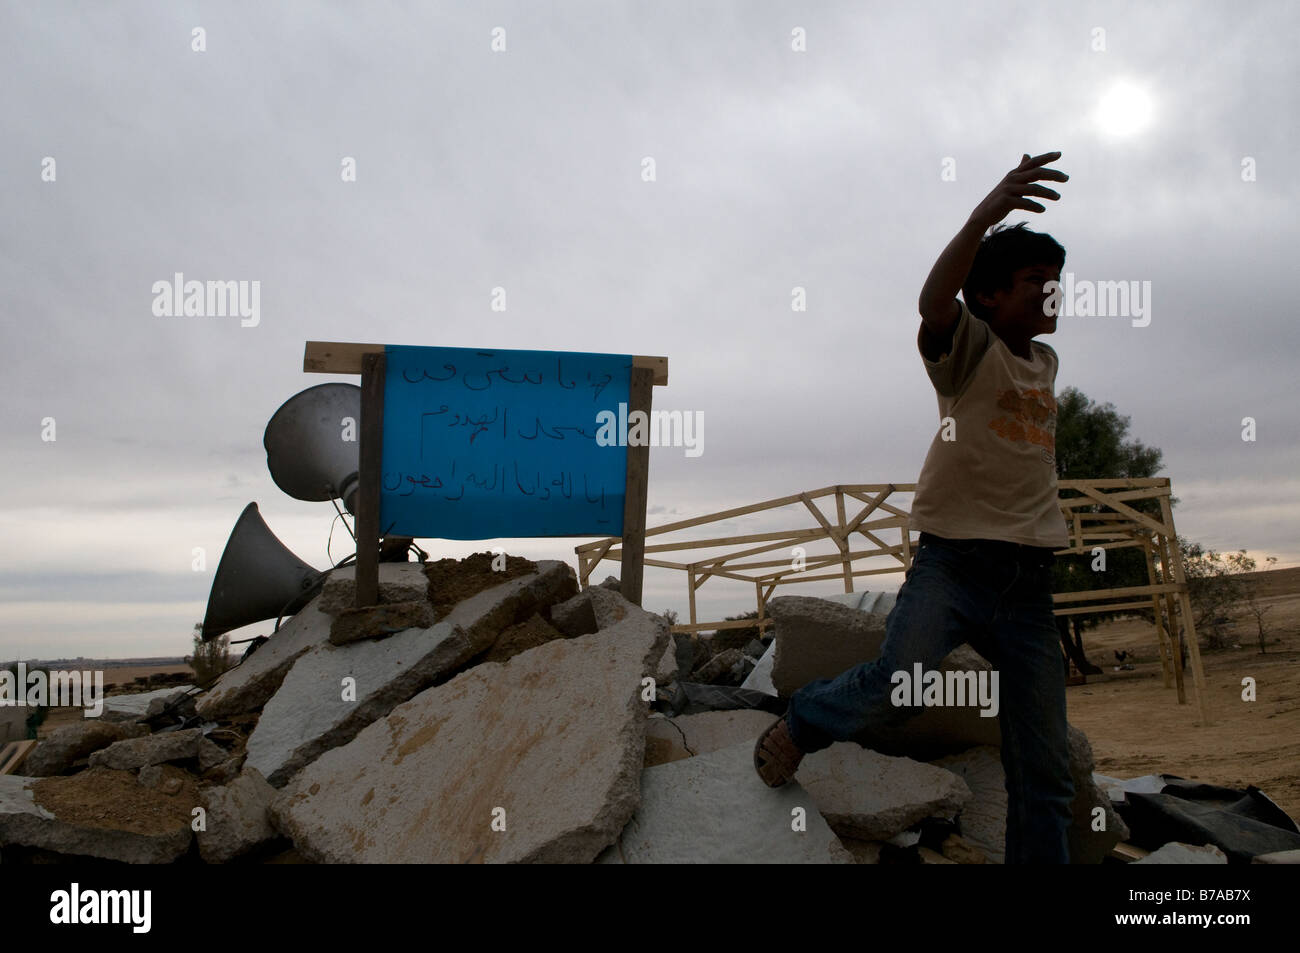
x,y
1100,515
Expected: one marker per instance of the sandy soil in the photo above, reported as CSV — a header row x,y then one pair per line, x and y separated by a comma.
x,y
1137,726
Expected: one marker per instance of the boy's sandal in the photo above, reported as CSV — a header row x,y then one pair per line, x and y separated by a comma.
x,y
775,756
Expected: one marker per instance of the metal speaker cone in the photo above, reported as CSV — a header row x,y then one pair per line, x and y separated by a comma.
x,y
305,450
258,578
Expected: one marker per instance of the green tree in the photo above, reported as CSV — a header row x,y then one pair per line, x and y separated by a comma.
x,y
210,659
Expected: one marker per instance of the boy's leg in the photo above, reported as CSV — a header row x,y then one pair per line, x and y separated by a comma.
x,y
934,614
1025,648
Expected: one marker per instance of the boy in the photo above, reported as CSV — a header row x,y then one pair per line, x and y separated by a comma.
x,y
986,506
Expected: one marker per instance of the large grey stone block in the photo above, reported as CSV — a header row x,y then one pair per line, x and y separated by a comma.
x,y
59,750
870,796
670,739
248,685
398,582
714,809
132,754
547,746
237,818
312,712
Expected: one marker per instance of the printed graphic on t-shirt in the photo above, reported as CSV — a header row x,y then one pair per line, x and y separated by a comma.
x,y
1030,418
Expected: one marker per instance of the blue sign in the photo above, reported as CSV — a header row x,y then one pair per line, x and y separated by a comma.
x,y
486,444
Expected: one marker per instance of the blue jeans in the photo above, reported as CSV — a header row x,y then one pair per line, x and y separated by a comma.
x,y
997,597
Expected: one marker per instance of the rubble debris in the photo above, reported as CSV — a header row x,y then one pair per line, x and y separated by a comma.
x,y
313,711
671,739
983,819
819,638
132,754
521,637
98,813
249,684
238,818
871,796
534,760
374,622
398,582
713,809
1179,853
729,667
60,750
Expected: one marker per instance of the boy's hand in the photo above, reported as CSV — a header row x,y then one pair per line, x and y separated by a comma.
x,y
1009,194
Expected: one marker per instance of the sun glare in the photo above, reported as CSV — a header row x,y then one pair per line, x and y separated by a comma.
x,y
1124,110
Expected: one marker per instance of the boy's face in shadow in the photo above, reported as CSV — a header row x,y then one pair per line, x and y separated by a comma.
x,y
1019,311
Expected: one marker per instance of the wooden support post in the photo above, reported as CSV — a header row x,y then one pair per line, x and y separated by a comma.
x,y
640,392
1175,638
371,452
843,540
1189,623
690,585
1160,625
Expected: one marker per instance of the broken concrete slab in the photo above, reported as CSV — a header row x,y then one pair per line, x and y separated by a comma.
x,y
666,670
574,616
671,739
238,818
1088,846
333,692
398,582
534,760
1277,857
137,705
870,796
760,679
728,667
608,606
713,808
25,823
983,819
248,685
62,747
818,638
1176,852
133,754
375,622
314,710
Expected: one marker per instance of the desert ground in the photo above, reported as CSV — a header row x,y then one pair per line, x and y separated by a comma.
x,y
1137,726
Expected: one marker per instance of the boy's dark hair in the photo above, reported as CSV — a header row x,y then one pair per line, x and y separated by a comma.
x,y
1002,251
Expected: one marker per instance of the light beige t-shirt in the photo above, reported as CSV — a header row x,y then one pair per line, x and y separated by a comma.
x,y
994,477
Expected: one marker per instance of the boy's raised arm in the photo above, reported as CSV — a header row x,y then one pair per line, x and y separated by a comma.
x,y
938,301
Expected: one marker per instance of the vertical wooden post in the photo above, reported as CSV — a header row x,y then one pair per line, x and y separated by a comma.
x,y
638,475
1175,639
843,541
1155,608
371,452
690,593
1189,623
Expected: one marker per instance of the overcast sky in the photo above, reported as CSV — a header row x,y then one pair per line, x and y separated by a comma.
x,y
775,168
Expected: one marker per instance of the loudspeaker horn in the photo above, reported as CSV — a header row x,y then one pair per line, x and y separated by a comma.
x,y
305,447
258,578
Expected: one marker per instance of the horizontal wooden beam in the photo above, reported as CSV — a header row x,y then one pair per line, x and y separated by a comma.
x,y
344,357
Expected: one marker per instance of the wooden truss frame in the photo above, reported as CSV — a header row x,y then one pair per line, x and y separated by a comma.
x,y
1114,525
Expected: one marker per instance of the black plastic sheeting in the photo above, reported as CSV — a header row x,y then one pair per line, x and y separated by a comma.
x,y
691,698
1242,824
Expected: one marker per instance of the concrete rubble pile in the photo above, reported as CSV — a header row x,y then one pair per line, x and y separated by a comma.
x,y
519,721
